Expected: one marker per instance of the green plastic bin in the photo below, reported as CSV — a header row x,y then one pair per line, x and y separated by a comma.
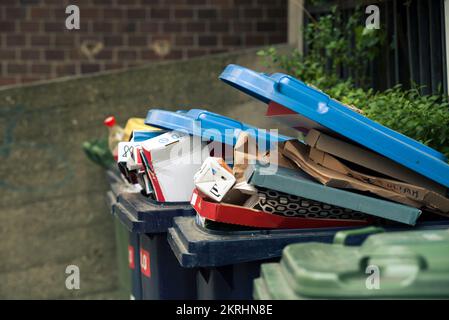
x,y
393,265
117,187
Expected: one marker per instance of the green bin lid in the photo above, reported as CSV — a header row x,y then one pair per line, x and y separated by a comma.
x,y
411,264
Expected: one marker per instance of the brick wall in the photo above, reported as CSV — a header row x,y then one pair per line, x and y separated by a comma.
x,y
35,45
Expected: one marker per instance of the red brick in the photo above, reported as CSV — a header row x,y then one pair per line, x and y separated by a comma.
x,y
16,68
276,12
217,51
265,3
88,13
207,40
255,40
127,55
136,41
37,40
183,13
125,27
243,27
54,54
41,13
151,2
7,54
192,53
114,65
29,27
172,27
113,14
159,13
126,2
195,27
55,26
136,14
266,27
174,55
41,68
184,40
29,79
250,13
65,40
232,41
102,2
15,40
246,3
230,14
113,40
207,14
149,55
66,69
7,81
149,27
274,39
197,2
218,27
14,13
90,67
30,54
105,54
102,27
7,26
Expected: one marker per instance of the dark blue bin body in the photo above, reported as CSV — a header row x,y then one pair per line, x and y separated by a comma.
x,y
228,262
160,275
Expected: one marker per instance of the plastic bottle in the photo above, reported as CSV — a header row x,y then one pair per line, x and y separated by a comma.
x,y
116,134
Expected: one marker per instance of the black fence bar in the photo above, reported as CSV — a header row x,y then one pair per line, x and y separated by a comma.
x,y
414,50
443,46
436,46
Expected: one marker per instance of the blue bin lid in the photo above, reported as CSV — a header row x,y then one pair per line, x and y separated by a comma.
x,y
208,125
323,112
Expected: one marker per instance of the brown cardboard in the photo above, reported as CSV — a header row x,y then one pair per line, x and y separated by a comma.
x,y
428,198
246,153
299,154
370,160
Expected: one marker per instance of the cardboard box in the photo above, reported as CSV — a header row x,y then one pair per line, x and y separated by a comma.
x,y
298,183
214,179
370,160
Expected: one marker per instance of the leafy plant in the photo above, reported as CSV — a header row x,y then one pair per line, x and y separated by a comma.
x,y
333,44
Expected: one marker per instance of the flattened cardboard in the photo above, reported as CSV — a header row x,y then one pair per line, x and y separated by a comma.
x,y
299,154
430,199
232,214
297,183
370,160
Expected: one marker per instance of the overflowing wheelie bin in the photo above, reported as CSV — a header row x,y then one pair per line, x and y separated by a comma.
x,y
218,198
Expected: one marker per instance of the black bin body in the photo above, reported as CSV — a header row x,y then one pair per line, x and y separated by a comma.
x,y
227,262
160,275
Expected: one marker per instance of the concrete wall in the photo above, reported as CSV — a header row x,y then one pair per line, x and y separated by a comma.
x,y
52,209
